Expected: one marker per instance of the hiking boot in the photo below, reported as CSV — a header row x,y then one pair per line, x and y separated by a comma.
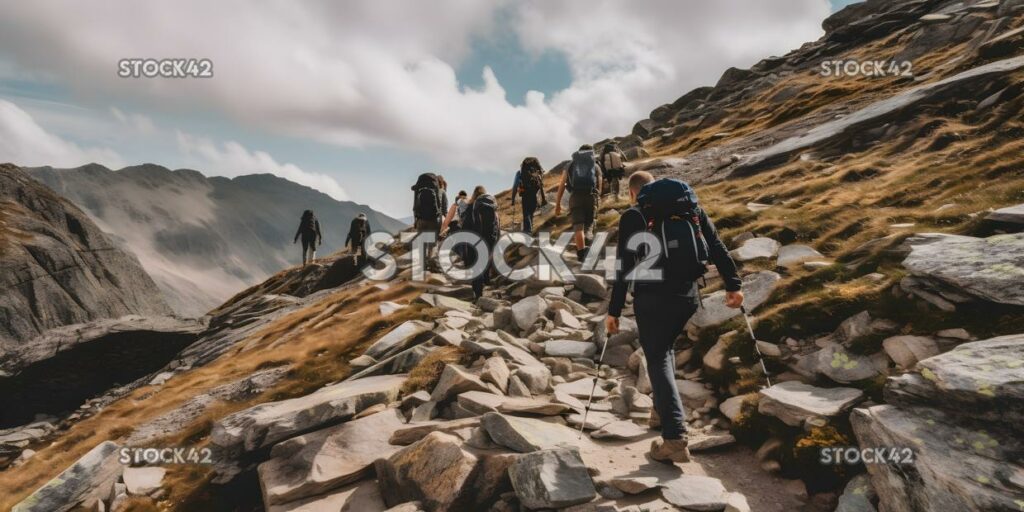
x,y
670,450
581,254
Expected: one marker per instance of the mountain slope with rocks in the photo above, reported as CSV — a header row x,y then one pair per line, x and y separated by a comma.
x,y
873,219
204,238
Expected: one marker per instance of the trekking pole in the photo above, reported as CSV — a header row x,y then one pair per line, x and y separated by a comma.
x,y
756,348
602,334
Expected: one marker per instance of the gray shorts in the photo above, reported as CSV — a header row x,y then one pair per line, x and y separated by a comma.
x,y
583,209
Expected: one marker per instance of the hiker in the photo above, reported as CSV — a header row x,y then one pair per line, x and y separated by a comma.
x,y
453,220
427,206
583,179
358,231
613,169
668,209
528,184
481,217
309,231
442,192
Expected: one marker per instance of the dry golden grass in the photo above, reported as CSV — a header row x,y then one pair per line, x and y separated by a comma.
x,y
316,343
426,374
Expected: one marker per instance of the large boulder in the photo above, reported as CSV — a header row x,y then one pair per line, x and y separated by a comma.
x,y
315,463
83,483
528,310
397,338
435,471
266,424
990,269
756,248
527,434
794,402
757,287
454,380
555,478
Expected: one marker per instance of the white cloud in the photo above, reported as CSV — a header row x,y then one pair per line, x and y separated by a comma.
x,y
24,142
233,159
359,73
138,122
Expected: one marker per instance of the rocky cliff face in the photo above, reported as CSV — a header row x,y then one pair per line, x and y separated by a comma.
x,y
876,224
204,239
58,268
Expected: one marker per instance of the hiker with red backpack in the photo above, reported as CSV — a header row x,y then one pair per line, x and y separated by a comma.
x,y
528,184
613,169
481,217
583,180
309,231
666,209
428,205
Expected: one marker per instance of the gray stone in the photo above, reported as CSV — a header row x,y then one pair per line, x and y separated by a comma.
x,y
536,406
592,285
81,483
315,463
569,348
732,407
795,254
794,402
858,495
496,371
563,318
268,423
536,378
397,338
705,442
582,388
435,471
143,481
844,366
528,310
553,478
526,434
454,380
756,248
906,351
416,431
990,269
757,287
517,388
480,402
693,492
623,429
1010,215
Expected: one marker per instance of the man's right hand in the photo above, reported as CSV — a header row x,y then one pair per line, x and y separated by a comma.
x,y
611,324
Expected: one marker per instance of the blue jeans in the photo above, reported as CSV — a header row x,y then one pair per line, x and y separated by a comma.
x,y
660,319
529,207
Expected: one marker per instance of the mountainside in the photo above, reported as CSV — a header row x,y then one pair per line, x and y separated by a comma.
x,y
877,223
204,239
57,268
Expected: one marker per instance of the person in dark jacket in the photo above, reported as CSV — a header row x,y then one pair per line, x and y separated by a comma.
x,y
661,316
529,184
358,231
309,232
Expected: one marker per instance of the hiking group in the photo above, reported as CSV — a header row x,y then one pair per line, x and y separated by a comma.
x,y
311,236
666,209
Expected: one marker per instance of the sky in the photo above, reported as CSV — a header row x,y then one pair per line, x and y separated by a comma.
x,y
356,98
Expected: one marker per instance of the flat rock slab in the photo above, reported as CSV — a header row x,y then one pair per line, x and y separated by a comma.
x,y
396,339
595,419
359,497
581,388
636,484
569,348
793,402
756,248
982,379
536,406
796,254
435,471
623,429
415,431
268,423
990,269
144,480
844,366
757,287
705,442
554,478
1009,215
315,463
693,492
88,479
455,380
526,435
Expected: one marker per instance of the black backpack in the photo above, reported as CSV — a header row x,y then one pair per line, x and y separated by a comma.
x,y
427,198
672,213
582,171
481,217
532,180
358,228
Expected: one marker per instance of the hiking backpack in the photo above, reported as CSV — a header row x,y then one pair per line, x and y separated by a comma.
x,y
481,217
308,225
613,164
427,198
582,171
672,213
531,181
359,228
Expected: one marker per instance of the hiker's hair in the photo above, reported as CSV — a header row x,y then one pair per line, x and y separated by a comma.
x,y
586,147
462,193
638,179
441,183
530,163
308,214
477,192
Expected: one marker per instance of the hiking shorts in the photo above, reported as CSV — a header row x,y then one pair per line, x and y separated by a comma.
x,y
583,209
427,226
